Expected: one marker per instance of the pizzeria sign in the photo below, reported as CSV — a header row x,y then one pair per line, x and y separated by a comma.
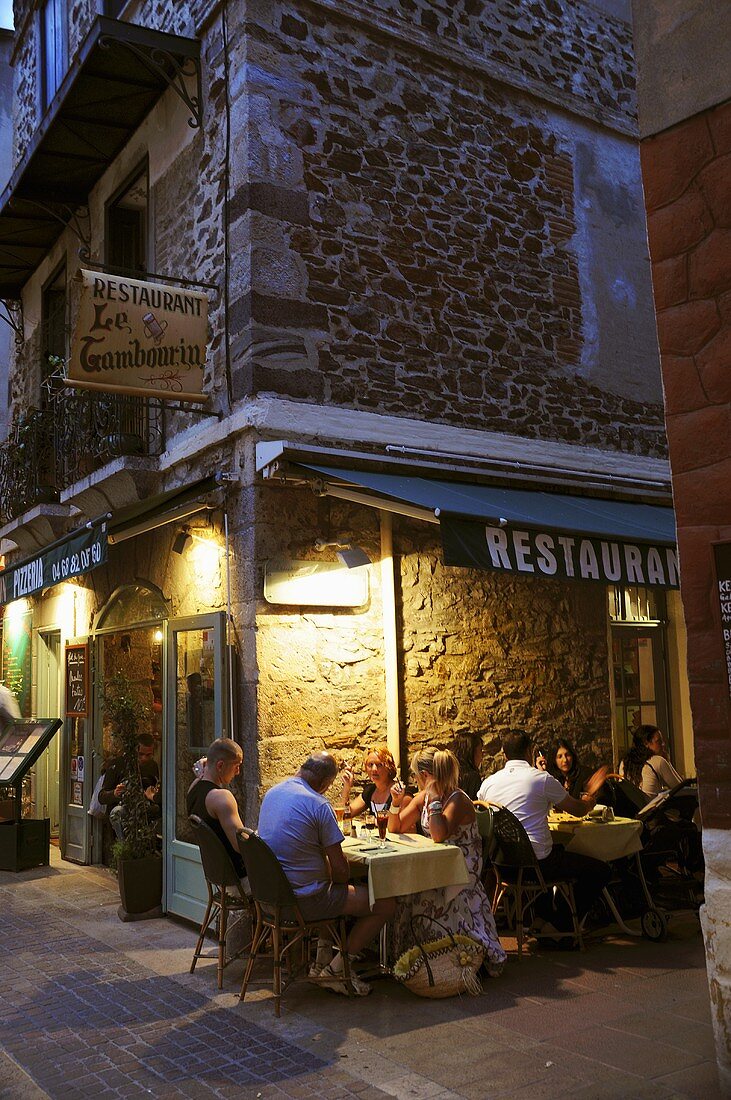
x,y
76,555
141,338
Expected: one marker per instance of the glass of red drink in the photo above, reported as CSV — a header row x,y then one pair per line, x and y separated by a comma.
x,y
382,822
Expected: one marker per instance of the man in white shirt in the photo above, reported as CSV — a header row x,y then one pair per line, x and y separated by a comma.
x,y
529,793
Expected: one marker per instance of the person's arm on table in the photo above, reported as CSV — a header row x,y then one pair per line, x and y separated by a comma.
x,y
339,866
444,821
357,805
404,811
579,807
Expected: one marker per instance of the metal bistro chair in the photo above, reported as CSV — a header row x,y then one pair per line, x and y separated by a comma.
x,y
277,913
221,879
520,878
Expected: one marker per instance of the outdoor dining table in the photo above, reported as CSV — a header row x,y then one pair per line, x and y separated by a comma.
x,y
605,840
407,865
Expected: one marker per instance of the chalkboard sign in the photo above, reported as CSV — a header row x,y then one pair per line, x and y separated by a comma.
x,y
77,681
722,553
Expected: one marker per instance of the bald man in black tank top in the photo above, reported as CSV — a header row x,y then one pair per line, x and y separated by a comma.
x,y
208,798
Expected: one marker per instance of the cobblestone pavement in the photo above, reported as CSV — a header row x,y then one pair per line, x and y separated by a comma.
x,y
91,1007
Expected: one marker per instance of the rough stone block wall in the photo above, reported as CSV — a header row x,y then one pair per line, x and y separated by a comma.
x,y
413,241
475,651
571,46
687,174
495,653
321,679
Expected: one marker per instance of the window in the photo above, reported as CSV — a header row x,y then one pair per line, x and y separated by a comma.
x,y
54,48
53,327
126,226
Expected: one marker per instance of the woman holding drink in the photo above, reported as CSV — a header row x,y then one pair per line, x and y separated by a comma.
x,y
447,816
380,767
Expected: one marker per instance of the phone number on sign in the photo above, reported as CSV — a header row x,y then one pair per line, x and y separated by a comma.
x,y
76,563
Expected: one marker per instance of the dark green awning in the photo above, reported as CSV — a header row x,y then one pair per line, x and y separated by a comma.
x,y
525,531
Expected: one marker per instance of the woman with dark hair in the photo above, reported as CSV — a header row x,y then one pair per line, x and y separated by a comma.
x,y
468,749
647,765
564,765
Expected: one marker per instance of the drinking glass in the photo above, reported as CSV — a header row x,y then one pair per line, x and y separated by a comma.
x,y
382,822
369,824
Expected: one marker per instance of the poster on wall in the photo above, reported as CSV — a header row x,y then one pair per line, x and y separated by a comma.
x,y
16,657
722,556
135,337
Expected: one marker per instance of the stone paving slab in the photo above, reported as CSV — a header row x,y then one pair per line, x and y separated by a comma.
x,y
95,1008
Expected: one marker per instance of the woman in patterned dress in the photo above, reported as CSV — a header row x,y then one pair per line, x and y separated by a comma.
x,y
447,816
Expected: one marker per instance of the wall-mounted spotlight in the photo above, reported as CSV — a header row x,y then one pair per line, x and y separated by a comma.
x,y
181,540
352,556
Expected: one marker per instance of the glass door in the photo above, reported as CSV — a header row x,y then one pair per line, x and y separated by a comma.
x,y
197,715
46,770
639,682
76,744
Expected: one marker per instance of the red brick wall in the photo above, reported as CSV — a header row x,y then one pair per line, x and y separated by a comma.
x,y
687,178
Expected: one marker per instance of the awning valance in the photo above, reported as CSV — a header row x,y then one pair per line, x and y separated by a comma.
x,y
72,556
525,531
117,76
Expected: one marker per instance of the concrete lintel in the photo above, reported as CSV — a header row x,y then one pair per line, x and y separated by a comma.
x,y
272,418
38,527
120,482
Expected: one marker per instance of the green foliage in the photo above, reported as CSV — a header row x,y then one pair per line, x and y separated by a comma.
x,y
126,712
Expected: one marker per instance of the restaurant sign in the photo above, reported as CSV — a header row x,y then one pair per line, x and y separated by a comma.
x,y
139,338
722,556
564,555
78,554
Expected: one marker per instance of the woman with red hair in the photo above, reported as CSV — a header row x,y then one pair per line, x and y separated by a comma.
x,y
380,767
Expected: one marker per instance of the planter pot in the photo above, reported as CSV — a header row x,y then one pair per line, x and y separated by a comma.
x,y
140,884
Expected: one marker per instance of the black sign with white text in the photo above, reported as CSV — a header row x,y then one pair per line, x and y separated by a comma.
x,y
77,681
722,555
564,555
79,554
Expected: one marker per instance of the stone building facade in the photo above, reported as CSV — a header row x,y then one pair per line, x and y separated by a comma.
x,y
422,230
686,169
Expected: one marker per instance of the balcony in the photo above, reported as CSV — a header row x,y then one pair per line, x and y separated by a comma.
x,y
74,435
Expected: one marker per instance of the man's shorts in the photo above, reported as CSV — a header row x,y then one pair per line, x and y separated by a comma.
x,y
326,902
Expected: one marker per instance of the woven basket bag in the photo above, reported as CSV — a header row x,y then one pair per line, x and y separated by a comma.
x,y
441,968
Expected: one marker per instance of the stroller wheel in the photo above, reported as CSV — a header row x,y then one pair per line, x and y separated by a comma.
x,y
654,925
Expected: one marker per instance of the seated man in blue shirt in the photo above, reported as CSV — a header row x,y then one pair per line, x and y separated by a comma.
x,y
298,824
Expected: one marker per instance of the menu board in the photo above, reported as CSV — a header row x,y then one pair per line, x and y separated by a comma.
x,y
722,554
21,743
77,681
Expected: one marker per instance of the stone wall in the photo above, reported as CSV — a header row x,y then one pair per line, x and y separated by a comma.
x,y
686,171
494,653
475,651
568,47
416,247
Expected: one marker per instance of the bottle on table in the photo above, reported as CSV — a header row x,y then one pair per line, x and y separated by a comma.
x,y
347,825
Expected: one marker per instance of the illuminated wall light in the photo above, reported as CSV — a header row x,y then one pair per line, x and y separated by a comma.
x,y
205,556
14,616
157,636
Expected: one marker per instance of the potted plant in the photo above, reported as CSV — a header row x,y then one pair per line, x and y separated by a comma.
x,y
137,861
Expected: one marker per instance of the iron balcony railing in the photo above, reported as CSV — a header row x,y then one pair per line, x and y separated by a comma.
x,y
73,435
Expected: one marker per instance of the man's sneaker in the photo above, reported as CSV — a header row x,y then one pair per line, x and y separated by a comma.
x,y
334,980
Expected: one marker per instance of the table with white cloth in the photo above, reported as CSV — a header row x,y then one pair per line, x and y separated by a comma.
x,y
604,840
407,865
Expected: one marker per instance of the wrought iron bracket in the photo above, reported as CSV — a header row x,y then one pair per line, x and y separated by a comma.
x,y
76,218
11,312
173,70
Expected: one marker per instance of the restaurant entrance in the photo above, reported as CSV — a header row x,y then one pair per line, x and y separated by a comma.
x,y
129,652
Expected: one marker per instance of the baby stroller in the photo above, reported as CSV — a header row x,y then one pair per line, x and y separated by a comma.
x,y
661,878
